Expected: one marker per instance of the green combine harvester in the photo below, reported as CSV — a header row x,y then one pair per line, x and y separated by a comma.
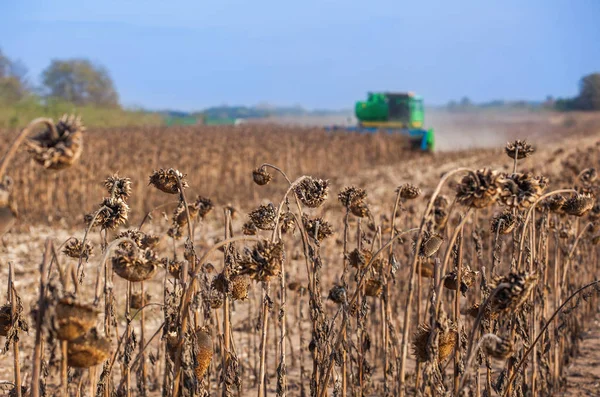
x,y
395,113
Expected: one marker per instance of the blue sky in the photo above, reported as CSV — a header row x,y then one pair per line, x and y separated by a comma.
x,y
190,54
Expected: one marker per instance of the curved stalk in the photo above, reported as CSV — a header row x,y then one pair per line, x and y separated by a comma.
x,y
12,150
411,282
529,211
152,210
539,336
350,303
568,260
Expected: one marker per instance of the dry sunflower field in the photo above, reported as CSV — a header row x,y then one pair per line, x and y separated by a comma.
x,y
268,260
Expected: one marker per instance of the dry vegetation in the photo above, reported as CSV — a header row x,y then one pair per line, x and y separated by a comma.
x,y
464,273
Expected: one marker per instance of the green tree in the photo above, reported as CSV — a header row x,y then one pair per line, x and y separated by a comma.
x,y
13,85
81,82
589,92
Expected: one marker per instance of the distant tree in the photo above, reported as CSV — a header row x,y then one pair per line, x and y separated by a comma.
x,y
465,102
13,84
81,82
589,92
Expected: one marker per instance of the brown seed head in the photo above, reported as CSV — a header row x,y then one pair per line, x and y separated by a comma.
x,y
73,249
478,189
504,223
261,176
360,209
373,287
141,239
88,350
430,244
468,277
359,258
579,204
59,152
337,294
512,291
408,191
446,342
317,229
204,352
496,347
203,206
520,190
519,148
166,180
135,265
351,195
239,287
249,229
5,319
287,222
264,261
554,203
136,302
264,216
312,192
113,216
118,187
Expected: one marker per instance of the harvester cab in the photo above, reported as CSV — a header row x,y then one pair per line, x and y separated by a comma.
x,y
395,113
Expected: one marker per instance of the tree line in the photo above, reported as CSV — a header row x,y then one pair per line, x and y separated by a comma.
x,y
588,99
77,81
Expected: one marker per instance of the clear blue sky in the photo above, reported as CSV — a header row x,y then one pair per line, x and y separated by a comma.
x,y
189,54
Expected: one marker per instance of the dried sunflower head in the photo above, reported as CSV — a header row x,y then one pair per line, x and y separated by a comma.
x,y
468,277
430,244
441,201
249,229
579,204
262,262
135,264
118,187
504,223
350,195
337,294
261,176
408,191
496,347
74,248
141,239
312,192
287,222
166,180
264,216
359,258
512,291
373,287
203,206
519,149
114,215
360,209
447,339
554,203
88,350
61,150
317,229
588,176
520,190
478,189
